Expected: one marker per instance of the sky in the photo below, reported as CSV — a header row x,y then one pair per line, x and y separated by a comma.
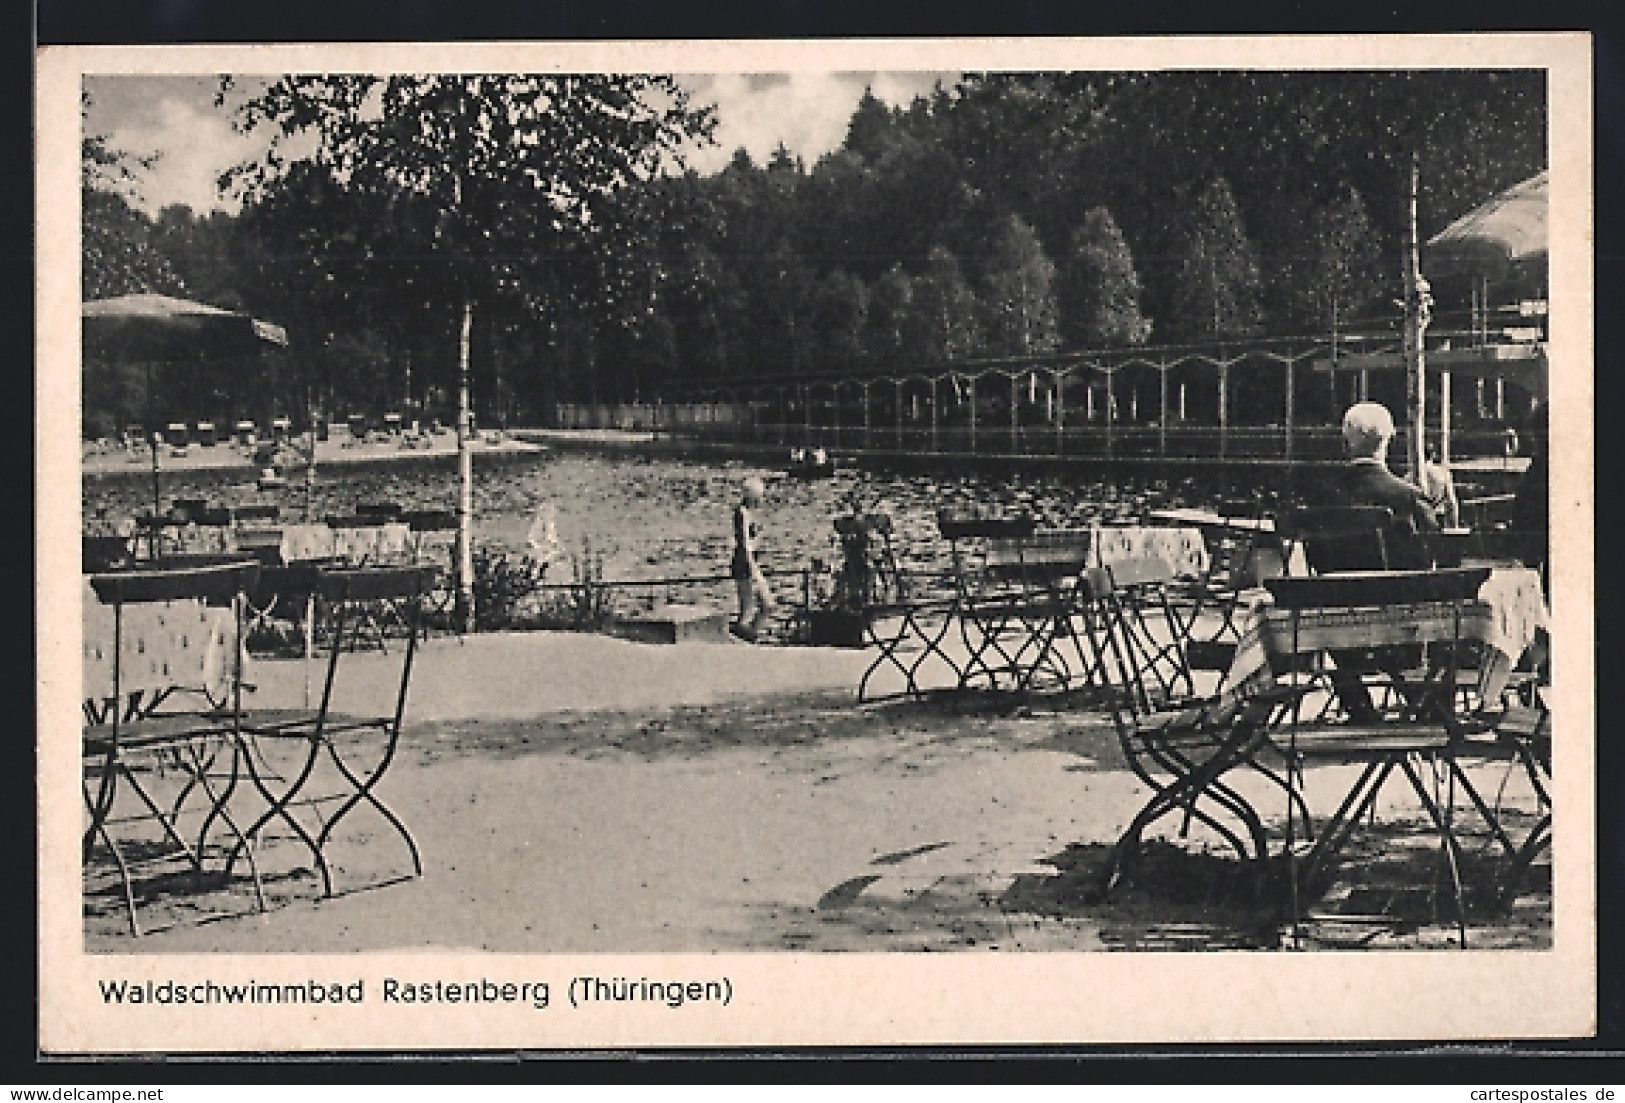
x,y
176,117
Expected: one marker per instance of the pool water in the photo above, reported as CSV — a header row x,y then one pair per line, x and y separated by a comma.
x,y
657,517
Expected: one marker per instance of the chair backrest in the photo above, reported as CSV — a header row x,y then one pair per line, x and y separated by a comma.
x,y
1036,561
982,548
1129,609
1343,538
966,528
430,520
359,521
1243,554
103,553
262,513
1371,611
1368,589
373,583
868,571
291,581
1140,573
214,582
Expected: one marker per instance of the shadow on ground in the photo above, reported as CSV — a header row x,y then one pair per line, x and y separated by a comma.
x,y
1390,890
785,721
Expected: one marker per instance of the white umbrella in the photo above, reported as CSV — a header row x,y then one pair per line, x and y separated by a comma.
x,y
1505,237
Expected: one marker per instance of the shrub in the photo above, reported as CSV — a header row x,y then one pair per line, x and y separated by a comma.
x,y
503,587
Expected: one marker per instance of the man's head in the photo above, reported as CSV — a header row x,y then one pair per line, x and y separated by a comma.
x,y
1367,429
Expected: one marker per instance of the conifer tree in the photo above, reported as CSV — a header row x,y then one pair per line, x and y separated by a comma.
x,y
1018,295
1216,293
1099,290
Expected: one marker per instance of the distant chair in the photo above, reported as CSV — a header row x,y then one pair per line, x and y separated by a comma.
x,y
389,510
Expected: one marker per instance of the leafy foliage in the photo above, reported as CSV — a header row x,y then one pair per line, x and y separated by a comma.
x,y
1006,213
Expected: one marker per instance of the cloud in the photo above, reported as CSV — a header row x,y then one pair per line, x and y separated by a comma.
x,y
175,117
194,141
807,112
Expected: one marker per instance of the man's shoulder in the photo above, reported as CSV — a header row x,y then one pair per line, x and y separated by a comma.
x,y
1376,476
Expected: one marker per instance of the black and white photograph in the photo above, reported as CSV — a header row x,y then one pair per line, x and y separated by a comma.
x,y
760,543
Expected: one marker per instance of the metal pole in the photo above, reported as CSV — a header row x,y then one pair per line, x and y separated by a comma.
x,y
310,476
1290,401
898,387
1444,418
972,389
1111,412
1162,408
1060,414
935,384
152,441
1015,415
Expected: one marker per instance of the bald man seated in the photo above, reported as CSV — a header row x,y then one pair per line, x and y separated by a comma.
x,y
1368,429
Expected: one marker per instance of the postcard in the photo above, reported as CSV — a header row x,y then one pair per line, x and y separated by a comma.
x,y
815,543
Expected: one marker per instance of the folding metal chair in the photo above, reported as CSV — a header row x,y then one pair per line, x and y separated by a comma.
x,y
129,749
1241,554
1016,597
1179,742
1421,731
324,734
433,534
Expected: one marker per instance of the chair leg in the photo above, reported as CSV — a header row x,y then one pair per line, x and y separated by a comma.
x,y
1451,847
363,792
1337,830
1484,809
277,807
169,826
99,813
1539,838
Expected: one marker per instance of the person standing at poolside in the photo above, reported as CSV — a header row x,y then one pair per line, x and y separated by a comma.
x,y
755,598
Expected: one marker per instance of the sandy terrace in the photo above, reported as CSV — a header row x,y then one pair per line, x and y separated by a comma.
x,y
583,793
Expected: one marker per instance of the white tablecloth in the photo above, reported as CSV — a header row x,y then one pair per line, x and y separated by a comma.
x,y
1183,549
165,645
